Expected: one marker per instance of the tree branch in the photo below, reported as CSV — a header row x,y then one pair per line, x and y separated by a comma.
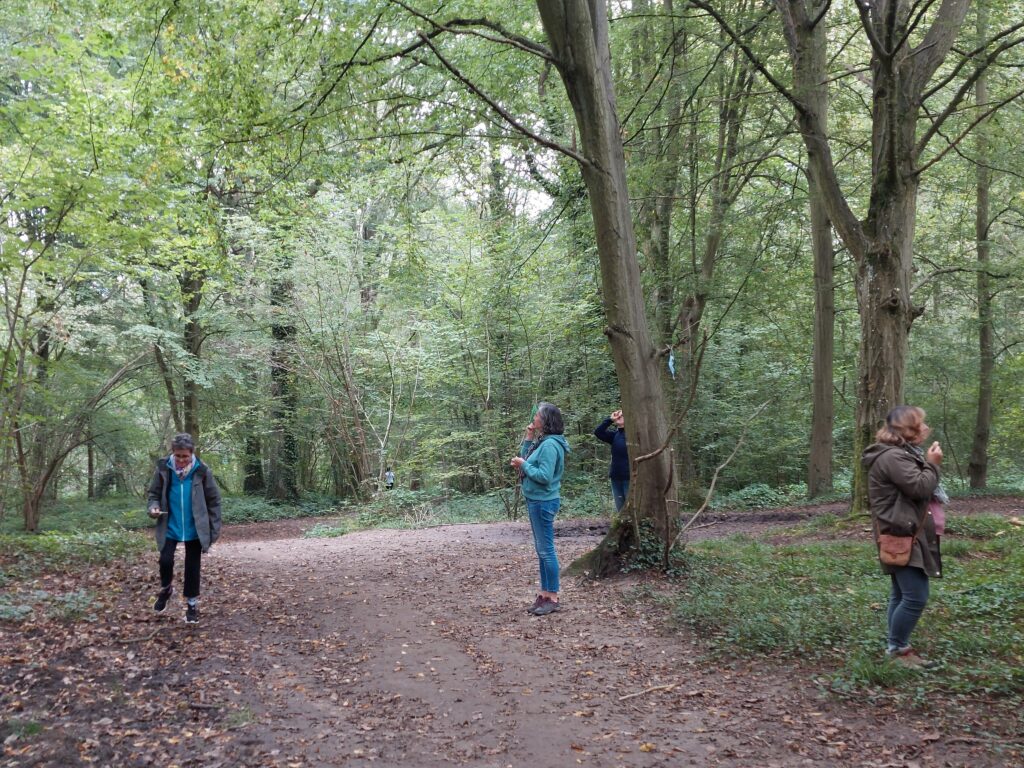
x,y
966,132
758,64
508,117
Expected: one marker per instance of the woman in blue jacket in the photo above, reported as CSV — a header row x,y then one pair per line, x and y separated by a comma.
x,y
618,472
541,462
185,502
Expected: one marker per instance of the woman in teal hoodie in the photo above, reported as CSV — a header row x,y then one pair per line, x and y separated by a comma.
x,y
541,462
184,500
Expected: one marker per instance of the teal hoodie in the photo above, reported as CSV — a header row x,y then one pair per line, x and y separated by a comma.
x,y
542,471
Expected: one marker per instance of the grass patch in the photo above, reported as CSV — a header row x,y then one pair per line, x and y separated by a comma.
x,y
825,602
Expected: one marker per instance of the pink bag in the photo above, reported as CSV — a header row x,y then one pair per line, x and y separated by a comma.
x,y
938,513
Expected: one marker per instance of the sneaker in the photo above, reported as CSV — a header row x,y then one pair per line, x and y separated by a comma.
x,y
536,604
161,599
547,606
191,614
909,658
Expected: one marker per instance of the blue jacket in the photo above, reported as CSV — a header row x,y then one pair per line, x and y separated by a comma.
x,y
616,438
202,498
545,463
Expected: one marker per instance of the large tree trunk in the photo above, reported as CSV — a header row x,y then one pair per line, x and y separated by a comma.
x,y
819,464
882,243
978,467
578,33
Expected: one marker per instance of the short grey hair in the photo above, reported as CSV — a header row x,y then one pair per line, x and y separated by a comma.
x,y
183,442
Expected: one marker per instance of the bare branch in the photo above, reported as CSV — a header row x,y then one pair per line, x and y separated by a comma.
x,y
995,107
452,25
758,64
718,469
508,117
961,93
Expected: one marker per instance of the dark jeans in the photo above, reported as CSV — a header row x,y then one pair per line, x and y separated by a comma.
x,y
906,603
193,559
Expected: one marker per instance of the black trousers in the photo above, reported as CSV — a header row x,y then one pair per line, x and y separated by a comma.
x,y
193,561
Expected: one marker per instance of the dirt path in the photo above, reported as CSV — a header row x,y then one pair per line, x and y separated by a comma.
x,y
413,648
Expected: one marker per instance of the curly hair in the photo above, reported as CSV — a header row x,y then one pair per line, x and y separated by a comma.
x,y
901,424
550,419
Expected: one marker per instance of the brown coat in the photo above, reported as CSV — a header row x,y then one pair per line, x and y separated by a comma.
x,y
900,484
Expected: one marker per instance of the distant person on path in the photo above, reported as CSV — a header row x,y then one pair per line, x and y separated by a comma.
x,y
902,480
540,463
185,502
389,479
618,472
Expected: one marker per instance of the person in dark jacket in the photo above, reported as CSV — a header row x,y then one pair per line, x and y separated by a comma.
x,y
541,463
902,479
618,471
184,500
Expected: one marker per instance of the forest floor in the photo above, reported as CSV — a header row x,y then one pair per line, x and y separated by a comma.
x,y
414,648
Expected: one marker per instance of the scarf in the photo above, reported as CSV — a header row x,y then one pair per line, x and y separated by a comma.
x,y
182,472
939,494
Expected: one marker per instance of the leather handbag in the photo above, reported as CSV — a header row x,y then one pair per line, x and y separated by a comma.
x,y
896,550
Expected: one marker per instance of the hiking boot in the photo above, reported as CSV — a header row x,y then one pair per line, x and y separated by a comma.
x,y
191,614
161,599
536,604
909,658
546,606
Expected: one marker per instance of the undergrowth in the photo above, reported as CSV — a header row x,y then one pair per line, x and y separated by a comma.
x,y
825,601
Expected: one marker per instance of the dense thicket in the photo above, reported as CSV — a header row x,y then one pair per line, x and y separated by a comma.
x,y
334,237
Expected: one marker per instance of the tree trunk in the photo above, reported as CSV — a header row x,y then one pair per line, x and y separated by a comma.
x,y
882,243
253,483
192,283
284,455
90,471
819,464
161,361
578,33
978,467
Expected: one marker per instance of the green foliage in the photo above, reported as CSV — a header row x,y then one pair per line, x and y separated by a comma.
x,y
26,554
759,496
826,602
78,515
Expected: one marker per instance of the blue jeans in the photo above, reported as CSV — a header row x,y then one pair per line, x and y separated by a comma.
x,y
542,523
620,490
906,603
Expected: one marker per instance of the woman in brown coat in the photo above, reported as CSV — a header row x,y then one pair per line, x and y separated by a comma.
x,y
902,478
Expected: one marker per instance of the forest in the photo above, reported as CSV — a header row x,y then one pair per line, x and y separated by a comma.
x,y
328,238
334,240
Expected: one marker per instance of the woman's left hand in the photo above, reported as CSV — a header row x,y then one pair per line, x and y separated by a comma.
x,y
517,462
